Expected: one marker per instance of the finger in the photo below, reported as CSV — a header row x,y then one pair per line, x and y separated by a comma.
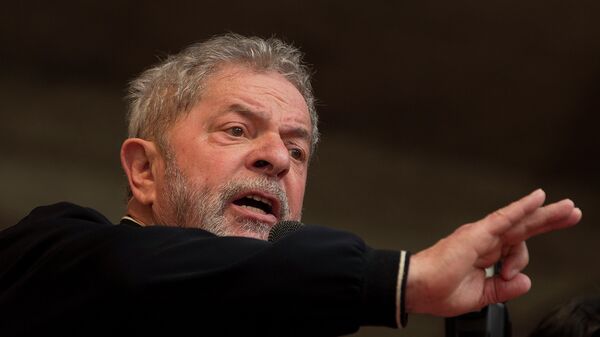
x,y
498,290
516,260
551,217
501,220
572,219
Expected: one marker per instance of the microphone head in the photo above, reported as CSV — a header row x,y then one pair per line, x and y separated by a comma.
x,y
283,228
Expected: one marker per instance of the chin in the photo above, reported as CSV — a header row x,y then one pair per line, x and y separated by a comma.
x,y
250,228
252,235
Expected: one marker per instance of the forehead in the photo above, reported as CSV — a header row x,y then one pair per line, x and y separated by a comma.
x,y
267,92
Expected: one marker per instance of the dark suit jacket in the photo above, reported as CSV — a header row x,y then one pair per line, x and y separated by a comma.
x,y
66,270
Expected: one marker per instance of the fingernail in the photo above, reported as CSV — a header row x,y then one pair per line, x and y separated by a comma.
x,y
512,273
569,202
538,191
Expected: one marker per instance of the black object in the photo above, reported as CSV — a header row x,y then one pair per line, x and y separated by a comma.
x,y
491,321
283,228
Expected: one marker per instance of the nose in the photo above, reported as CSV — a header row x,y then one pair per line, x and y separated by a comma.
x,y
270,157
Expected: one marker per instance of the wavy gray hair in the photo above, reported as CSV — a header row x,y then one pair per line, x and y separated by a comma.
x,y
169,90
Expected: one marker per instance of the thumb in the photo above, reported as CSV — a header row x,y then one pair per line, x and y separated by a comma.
x,y
497,290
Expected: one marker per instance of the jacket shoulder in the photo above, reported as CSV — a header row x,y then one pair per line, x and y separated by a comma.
x,y
64,211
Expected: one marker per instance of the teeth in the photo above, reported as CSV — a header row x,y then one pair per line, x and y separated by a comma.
x,y
254,209
257,198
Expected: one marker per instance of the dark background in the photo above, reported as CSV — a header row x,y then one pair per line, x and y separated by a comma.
x,y
433,114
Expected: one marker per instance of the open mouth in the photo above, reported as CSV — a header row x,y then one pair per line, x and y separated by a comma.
x,y
255,203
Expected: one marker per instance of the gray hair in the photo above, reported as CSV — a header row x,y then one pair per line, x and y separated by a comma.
x,y
169,90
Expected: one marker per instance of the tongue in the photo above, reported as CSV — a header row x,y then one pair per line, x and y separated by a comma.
x,y
253,209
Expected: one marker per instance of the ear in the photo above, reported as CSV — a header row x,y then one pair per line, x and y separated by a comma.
x,y
140,159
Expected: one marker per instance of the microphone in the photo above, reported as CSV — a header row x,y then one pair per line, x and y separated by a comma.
x,y
283,228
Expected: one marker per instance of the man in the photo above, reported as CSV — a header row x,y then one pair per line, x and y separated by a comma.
x,y
220,138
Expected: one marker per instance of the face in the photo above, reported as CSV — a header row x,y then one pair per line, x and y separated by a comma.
x,y
239,159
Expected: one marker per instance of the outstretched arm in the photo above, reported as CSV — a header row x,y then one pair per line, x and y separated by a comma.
x,y
448,278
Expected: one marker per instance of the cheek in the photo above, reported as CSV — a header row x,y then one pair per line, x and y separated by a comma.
x,y
206,165
296,195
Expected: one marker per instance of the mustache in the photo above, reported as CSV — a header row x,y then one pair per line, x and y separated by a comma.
x,y
262,184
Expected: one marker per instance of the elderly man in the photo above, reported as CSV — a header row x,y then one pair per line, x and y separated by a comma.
x,y
220,138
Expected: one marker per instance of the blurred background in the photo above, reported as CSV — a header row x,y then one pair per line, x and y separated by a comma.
x,y
433,113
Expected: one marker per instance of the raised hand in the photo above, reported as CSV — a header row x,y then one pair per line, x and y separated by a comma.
x,y
449,279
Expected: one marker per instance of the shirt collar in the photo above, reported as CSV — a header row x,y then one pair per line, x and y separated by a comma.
x,y
128,220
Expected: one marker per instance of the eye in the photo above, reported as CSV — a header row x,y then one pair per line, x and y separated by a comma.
x,y
236,131
297,154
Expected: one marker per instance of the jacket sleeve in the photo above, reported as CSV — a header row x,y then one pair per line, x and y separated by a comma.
x,y
66,270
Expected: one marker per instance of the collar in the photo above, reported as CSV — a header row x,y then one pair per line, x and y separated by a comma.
x,y
128,220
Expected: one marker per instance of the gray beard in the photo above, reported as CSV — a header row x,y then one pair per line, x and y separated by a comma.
x,y
204,208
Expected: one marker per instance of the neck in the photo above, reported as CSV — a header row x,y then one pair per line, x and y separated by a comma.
x,y
142,214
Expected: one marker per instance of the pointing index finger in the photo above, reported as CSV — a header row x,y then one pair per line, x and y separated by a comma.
x,y
501,220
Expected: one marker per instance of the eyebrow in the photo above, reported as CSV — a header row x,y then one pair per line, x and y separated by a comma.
x,y
294,132
247,111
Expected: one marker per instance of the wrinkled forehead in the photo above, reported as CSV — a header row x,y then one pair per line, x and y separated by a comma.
x,y
229,77
263,92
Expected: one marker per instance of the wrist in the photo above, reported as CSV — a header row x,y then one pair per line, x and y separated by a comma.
x,y
414,295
